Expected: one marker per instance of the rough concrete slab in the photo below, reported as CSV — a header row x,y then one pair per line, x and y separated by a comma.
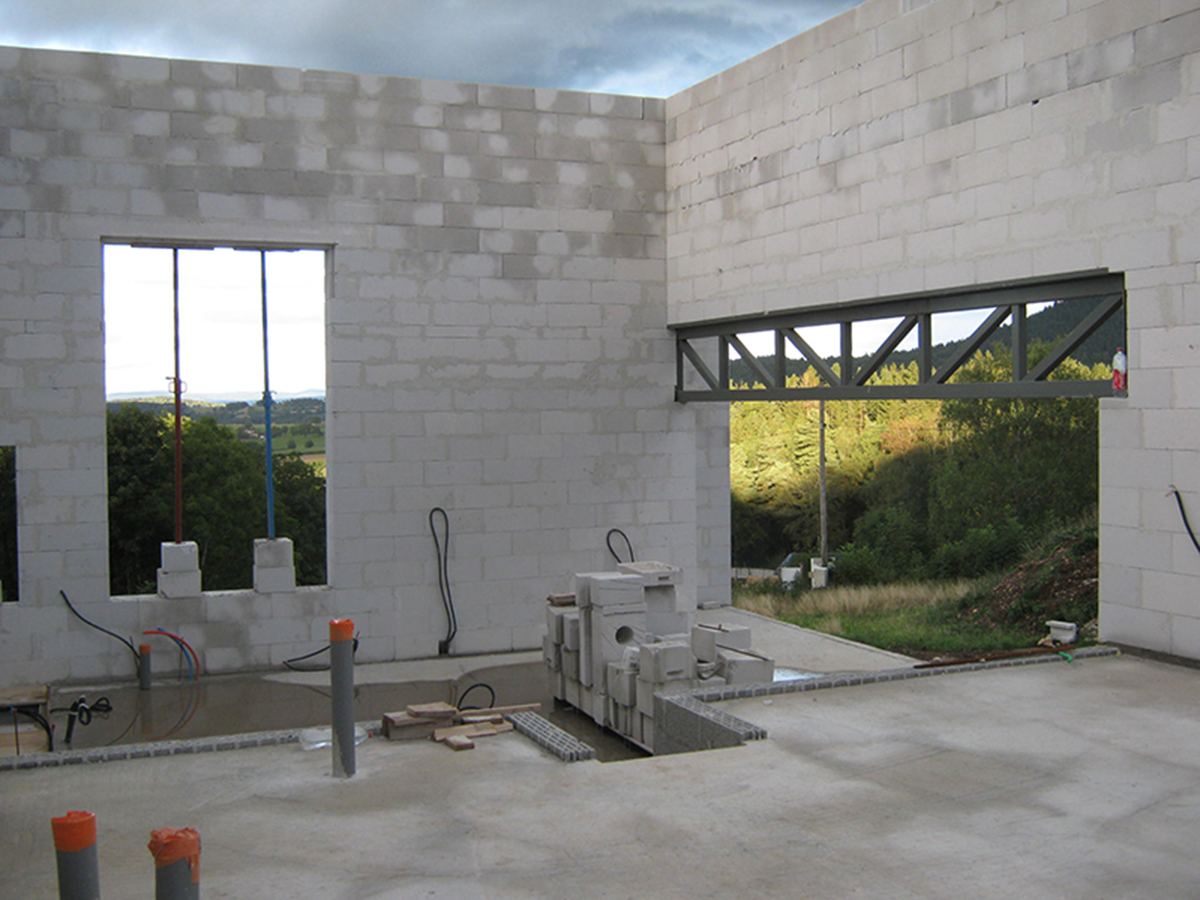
x,y
1058,780
801,649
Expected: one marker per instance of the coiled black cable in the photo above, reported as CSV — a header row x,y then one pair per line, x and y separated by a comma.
x,y
608,540
443,573
479,684
81,711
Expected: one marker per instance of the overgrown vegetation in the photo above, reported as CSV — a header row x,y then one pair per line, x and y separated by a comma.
x,y
224,502
1057,579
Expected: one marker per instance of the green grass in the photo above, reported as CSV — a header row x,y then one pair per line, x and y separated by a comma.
x,y
923,619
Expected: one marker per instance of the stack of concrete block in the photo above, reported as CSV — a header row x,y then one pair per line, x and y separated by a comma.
x,y
180,572
628,640
274,566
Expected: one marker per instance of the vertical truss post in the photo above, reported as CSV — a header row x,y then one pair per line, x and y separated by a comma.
x,y
847,373
780,359
925,348
1020,349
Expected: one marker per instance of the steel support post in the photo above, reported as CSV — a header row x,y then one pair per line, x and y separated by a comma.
x,y
341,679
75,847
144,669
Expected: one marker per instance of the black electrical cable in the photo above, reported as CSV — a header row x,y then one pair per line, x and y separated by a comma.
x,y
608,540
296,659
137,659
81,711
1183,515
41,720
443,573
479,684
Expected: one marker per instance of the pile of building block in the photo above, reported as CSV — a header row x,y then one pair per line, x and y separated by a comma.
x,y
447,724
627,638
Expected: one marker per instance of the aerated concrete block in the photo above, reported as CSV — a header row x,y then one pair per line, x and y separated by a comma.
x,y
179,584
585,646
664,624
181,557
273,553
622,684
652,573
616,590
570,663
275,580
554,623
704,643
645,697
552,654
570,631
574,693
666,661
742,668
734,637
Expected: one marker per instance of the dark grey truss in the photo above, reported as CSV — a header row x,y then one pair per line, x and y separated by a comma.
x,y
1006,300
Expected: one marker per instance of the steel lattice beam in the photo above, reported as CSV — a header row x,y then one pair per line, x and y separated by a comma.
x,y
1007,301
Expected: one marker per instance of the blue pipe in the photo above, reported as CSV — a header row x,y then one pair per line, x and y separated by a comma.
x,y
267,403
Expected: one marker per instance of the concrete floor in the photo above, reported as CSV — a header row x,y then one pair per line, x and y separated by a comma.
x,y
1050,780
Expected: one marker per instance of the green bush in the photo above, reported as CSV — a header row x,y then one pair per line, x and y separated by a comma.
x,y
980,551
858,564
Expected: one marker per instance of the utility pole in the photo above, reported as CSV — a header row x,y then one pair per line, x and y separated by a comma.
x,y
824,496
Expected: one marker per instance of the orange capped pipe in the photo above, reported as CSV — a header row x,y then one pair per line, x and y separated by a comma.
x,y
341,684
74,832
176,854
169,845
75,846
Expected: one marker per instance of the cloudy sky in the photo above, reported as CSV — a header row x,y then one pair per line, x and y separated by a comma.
x,y
645,47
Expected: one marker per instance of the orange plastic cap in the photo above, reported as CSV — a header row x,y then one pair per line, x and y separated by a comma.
x,y
341,629
169,845
74,832
144,649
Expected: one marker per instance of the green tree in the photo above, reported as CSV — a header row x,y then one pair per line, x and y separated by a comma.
x,y
140,497
224,508
1036,461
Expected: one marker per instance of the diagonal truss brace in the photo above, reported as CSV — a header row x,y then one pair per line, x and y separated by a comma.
x,y
844,381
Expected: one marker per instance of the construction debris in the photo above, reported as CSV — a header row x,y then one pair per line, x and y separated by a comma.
x,y
449,725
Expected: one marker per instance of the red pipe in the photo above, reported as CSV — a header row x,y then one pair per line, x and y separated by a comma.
x,y
182,643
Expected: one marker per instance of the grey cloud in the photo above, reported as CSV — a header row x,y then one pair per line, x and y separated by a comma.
x,y
640,46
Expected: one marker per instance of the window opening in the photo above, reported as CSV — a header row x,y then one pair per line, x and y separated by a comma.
x,y
236,336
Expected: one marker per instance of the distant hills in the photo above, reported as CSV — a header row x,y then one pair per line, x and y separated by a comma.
x,y
295,411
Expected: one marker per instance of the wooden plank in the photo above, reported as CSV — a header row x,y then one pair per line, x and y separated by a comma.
x,y
25,695
32,739
400,726
438,710
459,742
472,731
472,719
502,710
561,599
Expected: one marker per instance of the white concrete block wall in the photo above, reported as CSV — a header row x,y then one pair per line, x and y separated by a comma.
x,y
497,341
908,146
